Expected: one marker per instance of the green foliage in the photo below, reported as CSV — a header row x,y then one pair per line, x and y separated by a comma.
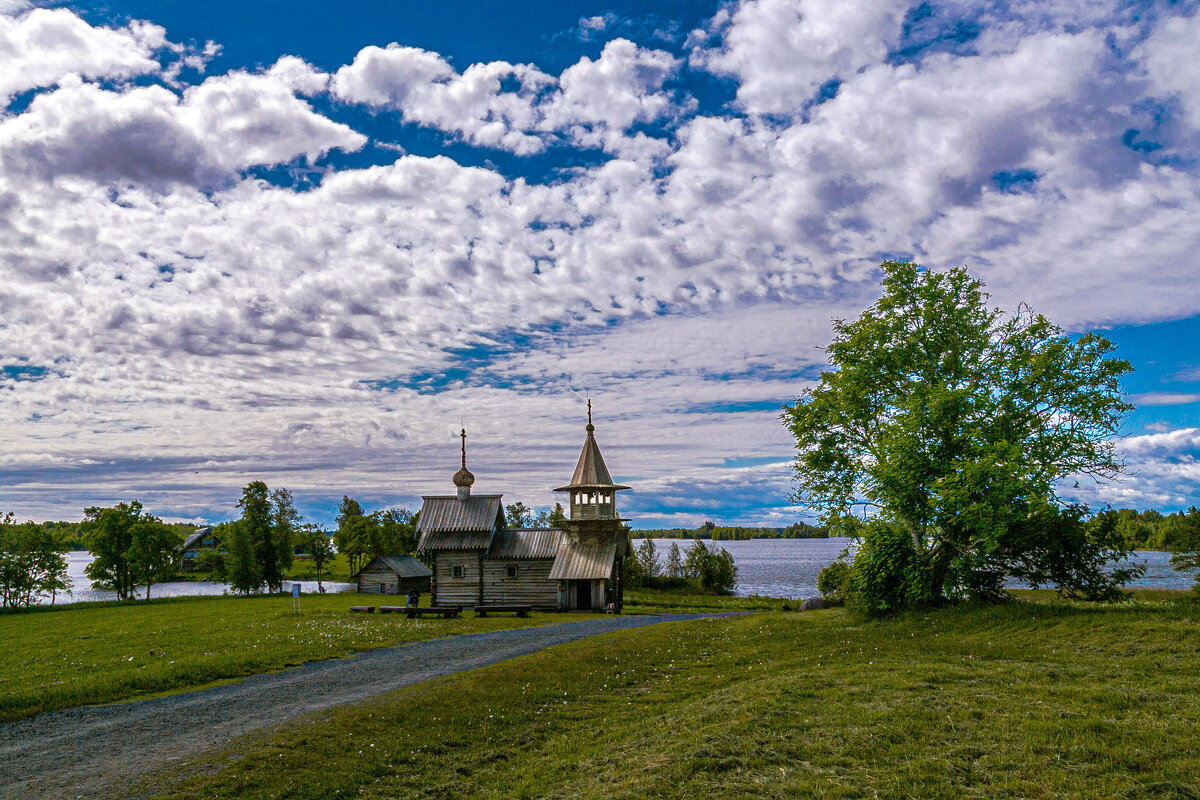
x,y
674,565
153,552
518,515
954,421
1185,542
710,530
361,537
262,544
319,547
834,581
713,568
887,574
31,563
109,537
557,517
647,558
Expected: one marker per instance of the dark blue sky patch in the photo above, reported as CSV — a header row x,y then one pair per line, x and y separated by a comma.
x,y
1015,181
735,407
1132,139
13,373
929,29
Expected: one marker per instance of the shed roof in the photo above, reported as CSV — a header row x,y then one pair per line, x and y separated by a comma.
x,y
403,566
580,561
525,543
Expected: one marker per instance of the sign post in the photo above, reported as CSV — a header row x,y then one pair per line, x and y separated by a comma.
x,y
296,597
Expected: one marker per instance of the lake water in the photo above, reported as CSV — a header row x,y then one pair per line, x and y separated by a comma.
x,y
772,567
82,591
789,567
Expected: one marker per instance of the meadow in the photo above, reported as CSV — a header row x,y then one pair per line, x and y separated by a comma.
x,y
1037,698
93,653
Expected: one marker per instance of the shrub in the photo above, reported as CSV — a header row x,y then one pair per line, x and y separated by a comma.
x,y
834,581
887,575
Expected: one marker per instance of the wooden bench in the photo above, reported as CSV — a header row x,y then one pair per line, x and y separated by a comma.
x,y
520,611
363,609
392,609
446,612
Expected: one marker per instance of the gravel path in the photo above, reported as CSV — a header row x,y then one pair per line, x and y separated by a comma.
x,y
101,750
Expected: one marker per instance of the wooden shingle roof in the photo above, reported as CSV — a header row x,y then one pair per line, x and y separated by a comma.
x,y
450,523
584,561
525,543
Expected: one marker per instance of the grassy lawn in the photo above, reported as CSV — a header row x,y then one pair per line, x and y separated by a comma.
x,y
104,652
661,601
1036,699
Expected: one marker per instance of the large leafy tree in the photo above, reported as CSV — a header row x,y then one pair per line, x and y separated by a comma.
x,y
953,421
109,537
31,563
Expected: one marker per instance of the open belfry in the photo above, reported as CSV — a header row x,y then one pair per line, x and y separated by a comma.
x,y
477,560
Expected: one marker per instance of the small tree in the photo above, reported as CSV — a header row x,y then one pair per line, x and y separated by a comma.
x,y
713,568
647,556
557,518
31,563
153,551
352,535
109,537
280,550
319,546
518,515
251,541
1185,542
674,568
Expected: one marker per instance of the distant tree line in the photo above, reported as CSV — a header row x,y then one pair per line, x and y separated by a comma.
x,y
712,531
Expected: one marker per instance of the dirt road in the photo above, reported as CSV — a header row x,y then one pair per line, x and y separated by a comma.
x,y
101,750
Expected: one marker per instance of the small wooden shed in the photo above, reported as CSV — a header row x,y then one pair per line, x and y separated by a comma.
x,y
393,575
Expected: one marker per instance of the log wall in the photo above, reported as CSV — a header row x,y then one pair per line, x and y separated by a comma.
x,y
532,585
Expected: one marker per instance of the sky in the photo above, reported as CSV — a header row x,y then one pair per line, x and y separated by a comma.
x,y
306,242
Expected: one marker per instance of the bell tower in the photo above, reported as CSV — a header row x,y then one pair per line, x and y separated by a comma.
x,y
596,532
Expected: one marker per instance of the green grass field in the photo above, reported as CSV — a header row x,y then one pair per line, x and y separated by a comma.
x,y
104,652
1037,699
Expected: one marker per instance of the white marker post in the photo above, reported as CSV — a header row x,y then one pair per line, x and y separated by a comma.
x,y
296,597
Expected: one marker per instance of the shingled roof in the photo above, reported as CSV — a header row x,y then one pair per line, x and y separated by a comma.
x,y
584,561
451,523
591,471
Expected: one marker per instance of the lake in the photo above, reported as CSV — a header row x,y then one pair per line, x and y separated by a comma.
x,y
82,591
772,567
789,567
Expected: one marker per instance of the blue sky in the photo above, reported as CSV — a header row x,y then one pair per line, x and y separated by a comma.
x,y
304,243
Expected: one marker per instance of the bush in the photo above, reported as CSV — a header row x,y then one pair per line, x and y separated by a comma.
x,y
887,575
713,568
834,581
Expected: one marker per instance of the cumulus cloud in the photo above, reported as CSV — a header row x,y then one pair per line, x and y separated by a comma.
x,y
781,52
151,135
687,281
516,107
1169,58
43,46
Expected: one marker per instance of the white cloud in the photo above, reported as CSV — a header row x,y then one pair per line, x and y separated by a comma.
x,y
687,282
44,46
1165,398
150,135
1169,55
782,51
427,90
516,107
